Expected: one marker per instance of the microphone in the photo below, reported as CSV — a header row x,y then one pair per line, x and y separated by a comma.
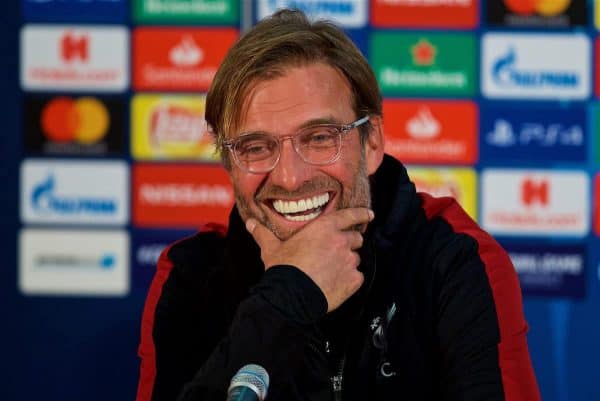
x,y
250,383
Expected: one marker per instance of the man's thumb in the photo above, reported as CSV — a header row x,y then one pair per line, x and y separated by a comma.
x,y
261,234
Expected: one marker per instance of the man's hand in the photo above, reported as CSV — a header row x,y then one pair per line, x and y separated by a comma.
x,y
324,249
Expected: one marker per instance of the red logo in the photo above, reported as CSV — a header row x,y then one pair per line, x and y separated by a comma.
x,y
427,132
180,195
179,58
74,47
423,53
425,13
85,120
547,8
535,191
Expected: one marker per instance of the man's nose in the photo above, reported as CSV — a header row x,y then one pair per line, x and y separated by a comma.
x,y
291,170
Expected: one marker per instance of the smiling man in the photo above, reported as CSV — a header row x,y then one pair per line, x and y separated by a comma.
x,y
334,274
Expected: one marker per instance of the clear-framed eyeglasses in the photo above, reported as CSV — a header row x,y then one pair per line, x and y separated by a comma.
x,y
317,144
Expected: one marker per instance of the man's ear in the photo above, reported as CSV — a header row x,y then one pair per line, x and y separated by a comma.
x,y
374,145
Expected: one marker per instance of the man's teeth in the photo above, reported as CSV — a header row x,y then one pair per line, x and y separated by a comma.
x,y
301,205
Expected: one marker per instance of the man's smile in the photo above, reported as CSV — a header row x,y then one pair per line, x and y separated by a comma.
x,y
302,209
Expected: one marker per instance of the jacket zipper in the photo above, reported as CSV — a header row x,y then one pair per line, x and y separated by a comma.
x,y
338,379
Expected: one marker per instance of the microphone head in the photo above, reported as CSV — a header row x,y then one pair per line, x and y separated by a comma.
x,y
254,377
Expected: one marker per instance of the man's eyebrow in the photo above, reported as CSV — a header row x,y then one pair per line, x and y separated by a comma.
x,y
309,123
320,121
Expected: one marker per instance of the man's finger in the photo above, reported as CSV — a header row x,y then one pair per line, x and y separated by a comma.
x,y
350,217
261,234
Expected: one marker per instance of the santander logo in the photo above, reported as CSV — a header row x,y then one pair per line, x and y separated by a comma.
x,y
423,125
186,53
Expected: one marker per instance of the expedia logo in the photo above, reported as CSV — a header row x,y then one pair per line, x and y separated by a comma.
x,y
106,261
44,199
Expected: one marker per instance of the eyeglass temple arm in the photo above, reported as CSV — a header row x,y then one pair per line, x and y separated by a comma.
x,y
356,123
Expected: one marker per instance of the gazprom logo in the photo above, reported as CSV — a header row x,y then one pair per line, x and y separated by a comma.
x,y
317,7
347,13
507,73
536,66
74,192
44,199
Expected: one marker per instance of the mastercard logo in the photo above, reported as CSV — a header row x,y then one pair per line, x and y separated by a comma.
x,y
547,8
85,120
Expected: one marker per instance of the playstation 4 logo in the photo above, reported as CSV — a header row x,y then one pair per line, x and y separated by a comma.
x,y
529,133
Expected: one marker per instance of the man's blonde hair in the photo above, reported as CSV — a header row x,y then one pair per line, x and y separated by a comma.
x,y
286,39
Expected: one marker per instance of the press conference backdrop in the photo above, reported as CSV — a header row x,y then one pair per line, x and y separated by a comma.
x,y
105,160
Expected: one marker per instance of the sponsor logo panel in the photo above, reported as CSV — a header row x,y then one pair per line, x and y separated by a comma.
x,y
534,133
597,204
170,127
346,13
76,58
424,63
187,11
549,270
522,66
81,126
75,10
425,13
595,110
180,195
537,14
545,203
179,58
74,192
597,68
74,262
431,131
459,183
147,246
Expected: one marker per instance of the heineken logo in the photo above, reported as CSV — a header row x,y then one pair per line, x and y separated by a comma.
x,y
424,64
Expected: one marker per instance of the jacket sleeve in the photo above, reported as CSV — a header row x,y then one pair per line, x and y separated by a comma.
x,y
481,326
271,328
191,343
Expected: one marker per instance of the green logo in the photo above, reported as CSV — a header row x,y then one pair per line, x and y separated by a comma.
x,y
187,11
424,64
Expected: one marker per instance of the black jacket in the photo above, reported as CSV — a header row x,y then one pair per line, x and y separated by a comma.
x,y
439,316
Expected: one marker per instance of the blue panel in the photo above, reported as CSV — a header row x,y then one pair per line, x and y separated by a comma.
x,y
75,10
533,133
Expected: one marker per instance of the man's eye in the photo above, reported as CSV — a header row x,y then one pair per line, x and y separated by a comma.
x,y
321,138
254,149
